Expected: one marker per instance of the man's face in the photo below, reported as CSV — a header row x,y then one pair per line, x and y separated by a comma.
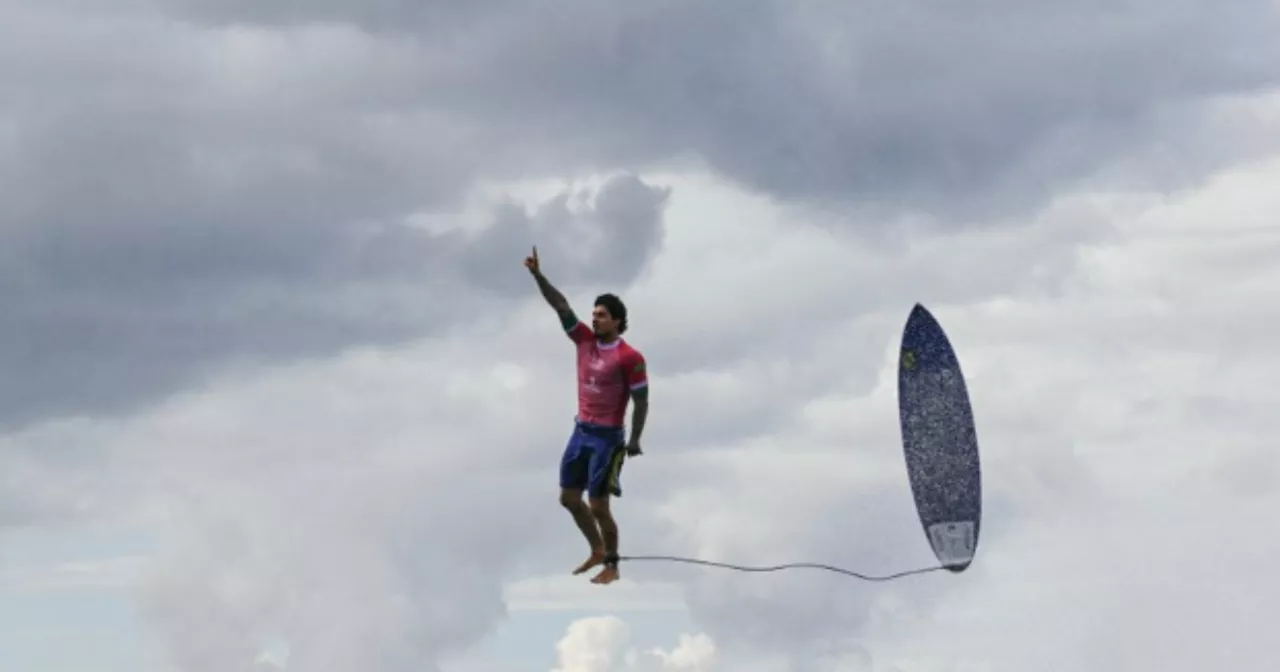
x,y
602,322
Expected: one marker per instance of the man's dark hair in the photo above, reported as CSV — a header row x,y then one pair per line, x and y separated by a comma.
x,y
616,308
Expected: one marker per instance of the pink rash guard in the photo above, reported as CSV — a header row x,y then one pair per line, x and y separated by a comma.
x,y
607,375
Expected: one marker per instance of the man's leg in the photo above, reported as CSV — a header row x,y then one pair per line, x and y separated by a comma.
x,y
571,499
605,481
609,532
573,480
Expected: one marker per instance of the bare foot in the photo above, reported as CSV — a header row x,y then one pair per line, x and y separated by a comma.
x,y
596,558
606,575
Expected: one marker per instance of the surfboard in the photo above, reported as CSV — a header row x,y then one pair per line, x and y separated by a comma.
x,y
939,440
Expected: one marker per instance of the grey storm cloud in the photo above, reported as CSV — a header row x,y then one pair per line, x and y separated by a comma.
x,y
187,182
99,319
161,216
901,105
605,243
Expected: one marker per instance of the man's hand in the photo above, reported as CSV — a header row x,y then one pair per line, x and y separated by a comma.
x,y
633,448
551,294
531,261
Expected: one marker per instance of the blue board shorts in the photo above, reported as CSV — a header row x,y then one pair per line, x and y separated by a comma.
x,y
593,460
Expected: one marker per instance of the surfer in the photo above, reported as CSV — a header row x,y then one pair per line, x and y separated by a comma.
x,y
611,373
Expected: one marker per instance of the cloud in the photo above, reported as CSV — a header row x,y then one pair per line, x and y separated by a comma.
x,y
284,511
358,472
1120,402
179,199
602,644
333,503
106,318
902,106
109,572
562,592
1117,378
193,185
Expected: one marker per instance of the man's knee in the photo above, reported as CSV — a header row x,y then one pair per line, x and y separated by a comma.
x,y
600,507
570,499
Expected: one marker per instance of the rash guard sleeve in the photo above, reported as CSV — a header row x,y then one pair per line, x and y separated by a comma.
x,y
576,330
635,370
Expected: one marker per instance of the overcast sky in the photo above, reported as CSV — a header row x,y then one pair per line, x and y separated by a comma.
x,y
277,390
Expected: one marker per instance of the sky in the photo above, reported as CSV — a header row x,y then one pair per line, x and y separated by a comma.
x,y
279,393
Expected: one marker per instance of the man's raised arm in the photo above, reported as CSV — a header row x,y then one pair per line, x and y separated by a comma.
x,y
553,296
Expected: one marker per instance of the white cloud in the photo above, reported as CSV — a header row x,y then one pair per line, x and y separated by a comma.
x,y
100,572
568,593
603,644
1122,381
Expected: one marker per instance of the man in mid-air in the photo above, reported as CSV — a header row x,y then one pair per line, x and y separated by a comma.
x,y
610,374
